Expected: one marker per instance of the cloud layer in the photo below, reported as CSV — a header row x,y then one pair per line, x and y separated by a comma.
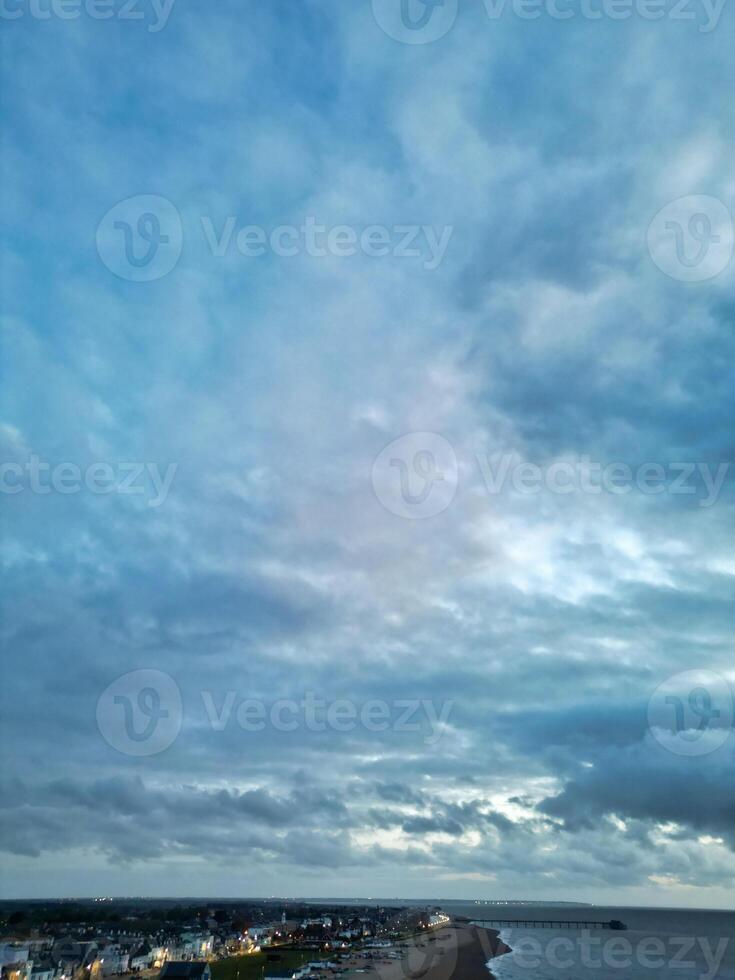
x,y
544,621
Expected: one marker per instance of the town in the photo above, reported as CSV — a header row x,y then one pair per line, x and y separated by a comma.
x,y
228,940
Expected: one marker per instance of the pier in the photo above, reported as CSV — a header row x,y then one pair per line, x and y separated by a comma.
x,y
614,924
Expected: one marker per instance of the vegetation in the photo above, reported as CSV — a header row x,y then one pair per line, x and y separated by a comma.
x,y
267,963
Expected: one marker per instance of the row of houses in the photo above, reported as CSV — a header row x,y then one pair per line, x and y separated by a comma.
x,y
72,959
68,959
84,954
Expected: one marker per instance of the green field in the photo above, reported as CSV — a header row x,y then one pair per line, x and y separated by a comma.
x,y
253,966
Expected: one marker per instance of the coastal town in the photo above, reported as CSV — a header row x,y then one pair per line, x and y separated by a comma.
x,y
278,940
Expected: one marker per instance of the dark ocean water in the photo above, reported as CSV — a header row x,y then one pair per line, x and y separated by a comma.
x,y
659,944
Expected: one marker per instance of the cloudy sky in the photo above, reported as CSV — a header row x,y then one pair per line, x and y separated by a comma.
x,y
319,333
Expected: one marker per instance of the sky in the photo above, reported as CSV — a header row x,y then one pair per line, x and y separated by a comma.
x,y
366,433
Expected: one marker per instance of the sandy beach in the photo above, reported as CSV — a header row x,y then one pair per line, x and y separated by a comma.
x,y
455,952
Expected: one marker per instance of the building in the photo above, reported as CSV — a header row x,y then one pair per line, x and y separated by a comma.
x,y
196,944
159,955
72,955
14,953
43,969
114,959
141,958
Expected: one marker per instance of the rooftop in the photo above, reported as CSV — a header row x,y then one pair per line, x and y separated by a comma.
x,y
184,969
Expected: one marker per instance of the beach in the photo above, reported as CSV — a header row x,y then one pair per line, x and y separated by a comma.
x,y
455,952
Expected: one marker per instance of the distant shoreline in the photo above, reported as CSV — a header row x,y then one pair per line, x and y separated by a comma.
x,y
446,903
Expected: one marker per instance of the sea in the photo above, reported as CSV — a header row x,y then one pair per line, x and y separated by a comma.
x,y
658,944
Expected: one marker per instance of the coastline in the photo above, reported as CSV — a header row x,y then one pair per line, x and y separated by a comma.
x,y
456,951
460,951
483,946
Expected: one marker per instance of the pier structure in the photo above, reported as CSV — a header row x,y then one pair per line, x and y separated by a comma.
x,y
614,924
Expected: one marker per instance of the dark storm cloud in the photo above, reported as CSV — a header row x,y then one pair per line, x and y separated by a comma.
x,y
429,825
398,793
654,788
117,814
